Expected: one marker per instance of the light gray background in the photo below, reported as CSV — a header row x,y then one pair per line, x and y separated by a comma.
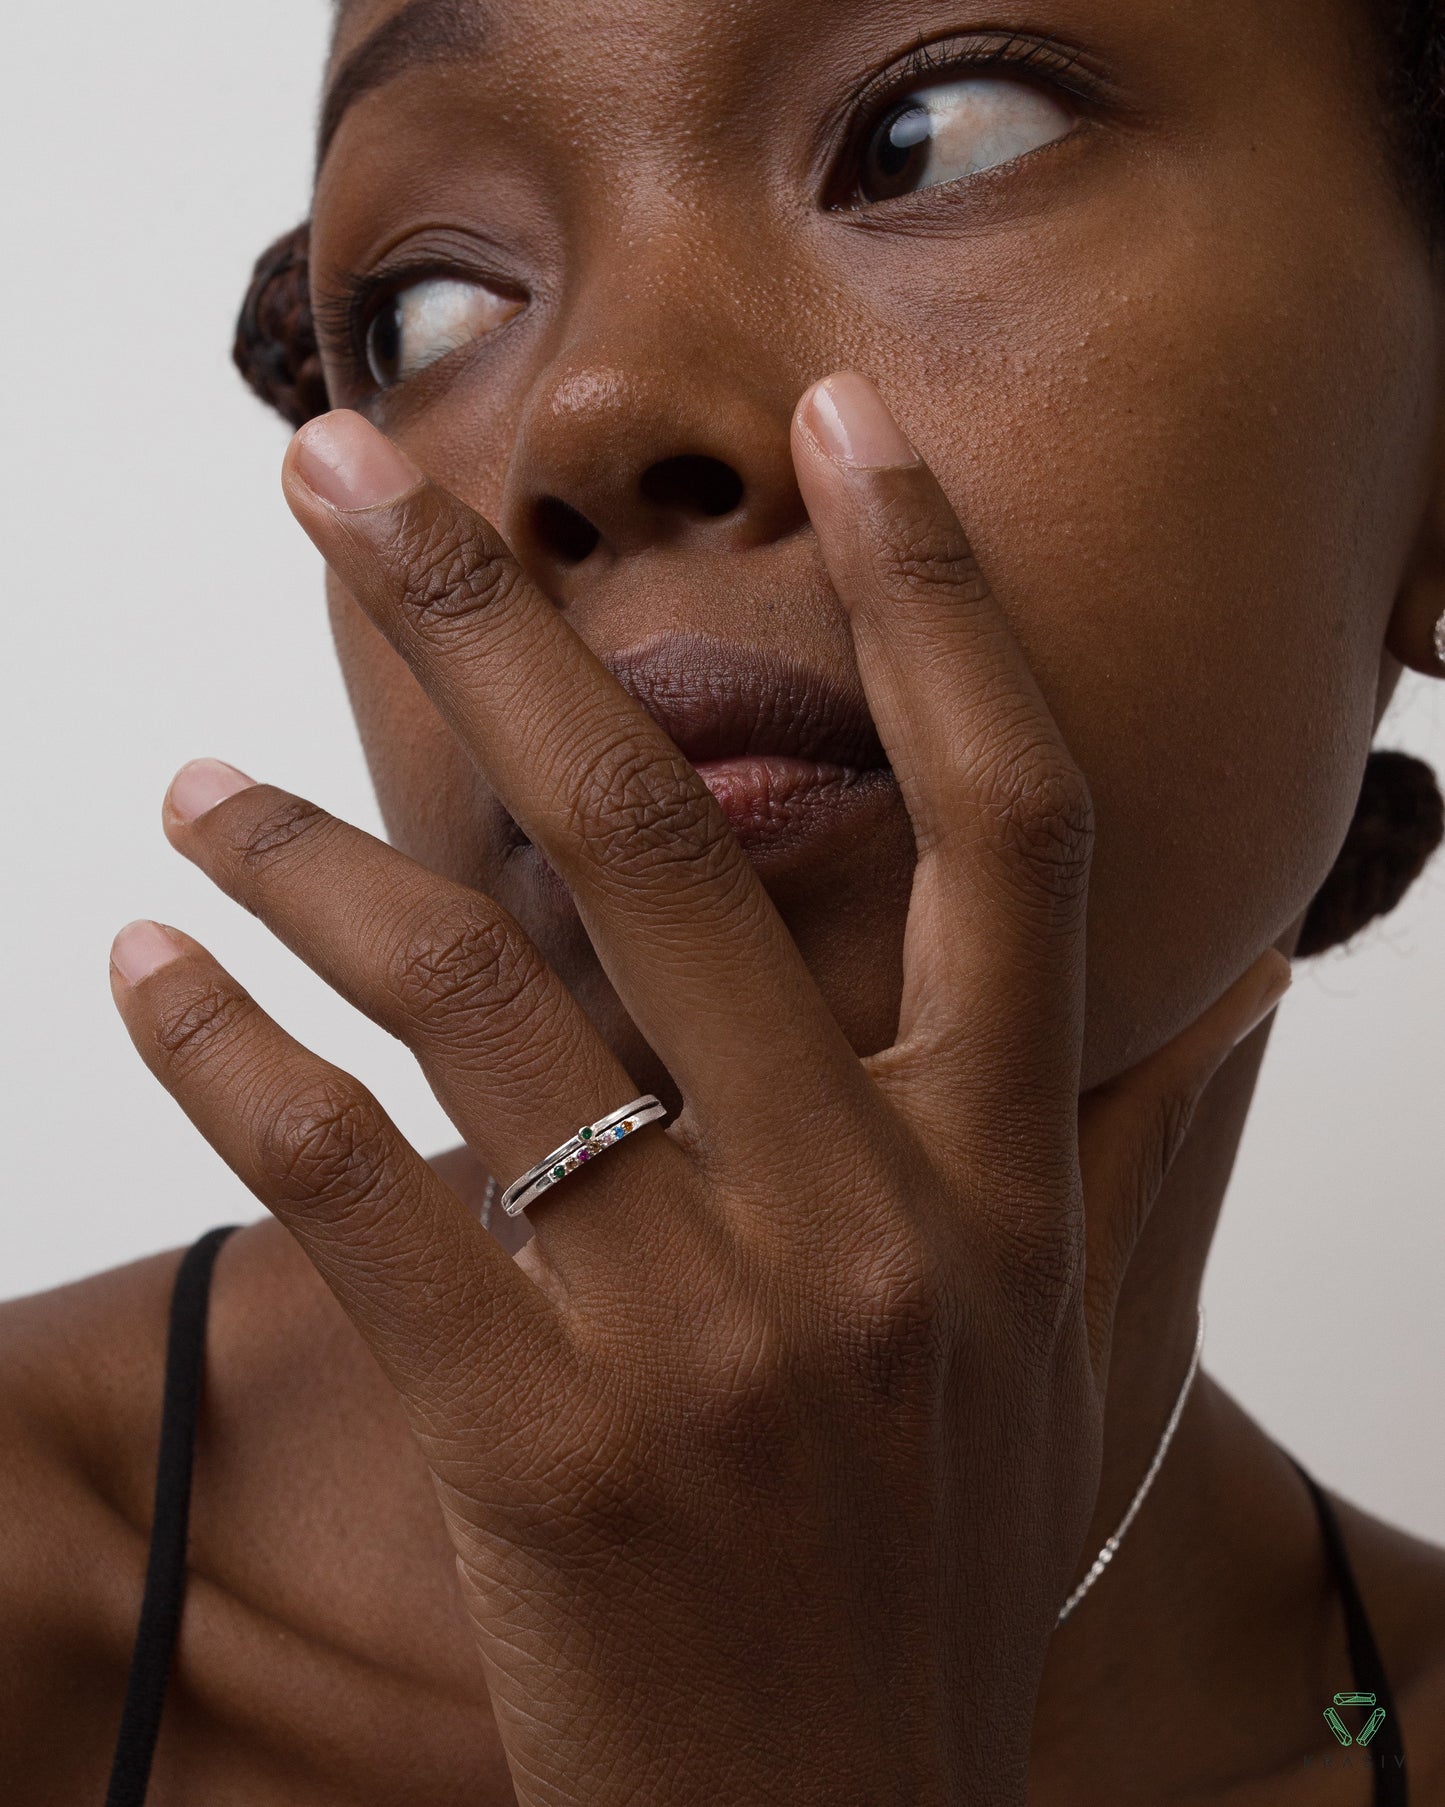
x,y
160,603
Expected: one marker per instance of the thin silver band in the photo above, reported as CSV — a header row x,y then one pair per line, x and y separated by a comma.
x,y
591,1140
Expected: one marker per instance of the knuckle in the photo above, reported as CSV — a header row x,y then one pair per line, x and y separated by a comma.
x,y
266,840
900,1323
187,1032
1033,1252
923,559
1042,1261
748,1392
642,810
1035,805
446,974
326,1143
449,574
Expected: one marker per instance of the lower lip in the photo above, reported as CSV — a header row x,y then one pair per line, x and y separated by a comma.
x,y
774,803
789,815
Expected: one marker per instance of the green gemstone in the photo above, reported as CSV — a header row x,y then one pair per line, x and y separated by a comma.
x,y
559,1173
586,1134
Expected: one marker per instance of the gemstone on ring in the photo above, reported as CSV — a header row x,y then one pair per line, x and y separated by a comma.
x,y
584,1145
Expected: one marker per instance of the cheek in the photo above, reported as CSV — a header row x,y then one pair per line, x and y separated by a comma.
x,y
1195,500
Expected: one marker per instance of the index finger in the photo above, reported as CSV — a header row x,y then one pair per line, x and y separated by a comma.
x,y
994,949
680,920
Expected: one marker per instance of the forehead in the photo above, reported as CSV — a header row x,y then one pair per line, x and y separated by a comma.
x,y
694,65
588,47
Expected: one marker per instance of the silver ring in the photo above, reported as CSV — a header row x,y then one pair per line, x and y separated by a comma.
x,y
585,1145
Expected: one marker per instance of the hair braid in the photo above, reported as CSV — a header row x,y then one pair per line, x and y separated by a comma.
x,y
1398,823
275,348
1399,820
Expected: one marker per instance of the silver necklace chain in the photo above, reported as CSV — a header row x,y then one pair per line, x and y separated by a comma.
x,y
1110,1549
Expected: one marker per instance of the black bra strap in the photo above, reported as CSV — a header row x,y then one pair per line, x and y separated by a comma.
x,y
1387,1750
160,1613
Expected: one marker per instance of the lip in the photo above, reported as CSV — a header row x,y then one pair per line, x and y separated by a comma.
x,y
718,701
790,753
776,803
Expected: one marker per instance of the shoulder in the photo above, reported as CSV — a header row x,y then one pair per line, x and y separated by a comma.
x,y
82,1368
78,1366
321,1587
1401,1579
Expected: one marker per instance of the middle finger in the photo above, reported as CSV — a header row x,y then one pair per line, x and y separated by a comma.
x,y
680,921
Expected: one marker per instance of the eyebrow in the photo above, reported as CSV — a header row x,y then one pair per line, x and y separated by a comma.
x,y
424,31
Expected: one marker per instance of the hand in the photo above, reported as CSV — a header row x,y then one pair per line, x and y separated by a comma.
x,y
768,1462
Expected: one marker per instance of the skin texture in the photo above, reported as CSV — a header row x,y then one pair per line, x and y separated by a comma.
x,y
1178,376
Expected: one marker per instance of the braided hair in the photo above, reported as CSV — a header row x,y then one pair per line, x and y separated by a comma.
x,y
1399,818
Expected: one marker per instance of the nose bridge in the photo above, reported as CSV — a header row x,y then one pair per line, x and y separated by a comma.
x,y
662,411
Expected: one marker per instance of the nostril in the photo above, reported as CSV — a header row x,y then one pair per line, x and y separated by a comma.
x,y
695,484
565,533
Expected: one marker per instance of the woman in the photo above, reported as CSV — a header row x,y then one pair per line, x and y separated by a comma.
x,y
838,524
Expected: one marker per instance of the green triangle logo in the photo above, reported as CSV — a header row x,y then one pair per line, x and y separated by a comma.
x,y
1342,1732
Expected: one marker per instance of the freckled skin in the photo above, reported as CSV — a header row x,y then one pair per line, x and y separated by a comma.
x,y
1174,373
1179,374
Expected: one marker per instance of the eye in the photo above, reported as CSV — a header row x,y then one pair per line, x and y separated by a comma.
x,y
957,129
423,322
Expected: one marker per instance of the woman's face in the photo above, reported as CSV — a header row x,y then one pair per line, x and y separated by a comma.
x,y
1134,278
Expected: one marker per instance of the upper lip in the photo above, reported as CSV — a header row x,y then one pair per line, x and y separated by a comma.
x,y
718,700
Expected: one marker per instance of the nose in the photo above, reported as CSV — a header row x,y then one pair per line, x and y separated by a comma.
x,y
630,444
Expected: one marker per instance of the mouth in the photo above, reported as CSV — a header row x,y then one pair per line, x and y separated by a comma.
x,y
784,748
790,753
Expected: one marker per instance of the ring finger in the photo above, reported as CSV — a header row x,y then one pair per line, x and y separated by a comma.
x,y
510,1054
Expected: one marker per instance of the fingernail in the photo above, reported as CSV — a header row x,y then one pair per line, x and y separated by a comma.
x,y
203,783
1278,985
349,464
853,425
141,947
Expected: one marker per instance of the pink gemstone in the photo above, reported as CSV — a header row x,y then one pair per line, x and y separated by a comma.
x,y
584,1154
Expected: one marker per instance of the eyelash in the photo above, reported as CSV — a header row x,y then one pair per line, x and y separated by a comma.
x,y
1011,52
344,315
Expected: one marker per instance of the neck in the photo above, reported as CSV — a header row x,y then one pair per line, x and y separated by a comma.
x,y
1183,1667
